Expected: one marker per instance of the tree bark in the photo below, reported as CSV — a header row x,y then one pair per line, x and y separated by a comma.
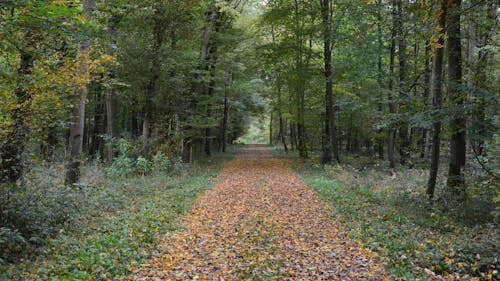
x,y
212,61
380,139
282,122
404,143
426,94
159,28
301,129
271,119
457,97
436,88
293,135
479,80
96,144
327,56
110,122
75,144
225,120
392,104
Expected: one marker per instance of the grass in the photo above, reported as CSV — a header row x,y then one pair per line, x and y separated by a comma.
x,y
417,240
119,223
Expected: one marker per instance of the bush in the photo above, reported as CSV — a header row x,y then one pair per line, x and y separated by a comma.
x,y
123,165
160,163
35,213
128,163
143,165
10,241
178,167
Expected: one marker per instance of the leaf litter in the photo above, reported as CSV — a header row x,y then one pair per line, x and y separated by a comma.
x,y
259,222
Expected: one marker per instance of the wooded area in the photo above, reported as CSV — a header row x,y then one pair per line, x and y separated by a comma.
x,y
145,86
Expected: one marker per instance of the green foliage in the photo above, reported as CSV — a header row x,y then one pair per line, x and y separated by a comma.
x,y
143,165
36,212
11,241
123,165
117,226
160,163
391,216
129,163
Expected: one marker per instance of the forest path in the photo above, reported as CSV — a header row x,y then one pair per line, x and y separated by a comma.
x,y
259,222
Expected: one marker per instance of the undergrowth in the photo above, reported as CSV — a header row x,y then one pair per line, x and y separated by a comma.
x,y
108,224
419,240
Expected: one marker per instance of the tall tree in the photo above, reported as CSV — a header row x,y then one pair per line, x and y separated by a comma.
x,y
457,97
330,146
436,92
75,142
392,102
404,143
159,28
212,68
478,77
187,142
380,44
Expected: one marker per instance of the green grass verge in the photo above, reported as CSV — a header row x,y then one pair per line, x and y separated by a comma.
x,y
417,240
119,226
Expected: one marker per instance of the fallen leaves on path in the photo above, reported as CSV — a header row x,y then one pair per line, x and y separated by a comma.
x,y
259,222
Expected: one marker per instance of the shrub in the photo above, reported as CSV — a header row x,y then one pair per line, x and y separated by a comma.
x,y
123,165
178,167
35,213
143,165
10,241
160,163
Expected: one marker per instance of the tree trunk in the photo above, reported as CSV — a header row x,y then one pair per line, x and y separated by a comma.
x,y
282,122
110,122
380,139
159,27
211,86
436,88
327,56
110,98
225,121
75,144
96,144
187,150
283,133
293,136
404,143
392,105
469,64
456,95
50,142
427,88
301,129
271,142
301,134
480,79
135,124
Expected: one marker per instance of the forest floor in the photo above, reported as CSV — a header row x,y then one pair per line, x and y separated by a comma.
x,y
253,213
260,222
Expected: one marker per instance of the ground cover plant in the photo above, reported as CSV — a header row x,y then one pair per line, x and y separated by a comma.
x,y
101,229
420,240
